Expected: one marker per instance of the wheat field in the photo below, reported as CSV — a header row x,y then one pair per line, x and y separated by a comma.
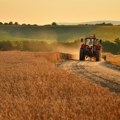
x,y
113,59
33,88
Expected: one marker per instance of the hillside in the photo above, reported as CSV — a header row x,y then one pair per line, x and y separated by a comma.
x,y
102,21
92,22
48,32
37,38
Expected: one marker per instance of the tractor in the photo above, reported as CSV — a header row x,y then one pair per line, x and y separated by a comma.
x,y
90,48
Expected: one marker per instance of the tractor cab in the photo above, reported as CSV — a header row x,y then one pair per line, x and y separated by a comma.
x,y
89,41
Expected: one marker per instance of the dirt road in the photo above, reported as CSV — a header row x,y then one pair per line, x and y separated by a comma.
x,y
97,72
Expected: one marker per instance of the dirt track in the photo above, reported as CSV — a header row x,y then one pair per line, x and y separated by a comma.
x,y
97,72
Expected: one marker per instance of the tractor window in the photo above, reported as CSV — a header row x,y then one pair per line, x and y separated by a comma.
x,y
89,41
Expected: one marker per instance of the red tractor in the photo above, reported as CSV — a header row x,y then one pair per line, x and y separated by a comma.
x,y
90,48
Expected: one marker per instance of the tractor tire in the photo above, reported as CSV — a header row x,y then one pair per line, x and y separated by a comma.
x,y
98,54
82,55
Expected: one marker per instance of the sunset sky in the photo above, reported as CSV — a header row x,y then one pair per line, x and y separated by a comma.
x,y
47,11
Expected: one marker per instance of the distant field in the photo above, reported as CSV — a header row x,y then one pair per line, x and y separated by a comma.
x,y
33,88
62,33
39,38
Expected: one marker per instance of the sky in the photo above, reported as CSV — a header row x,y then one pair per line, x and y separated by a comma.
x,y
60,11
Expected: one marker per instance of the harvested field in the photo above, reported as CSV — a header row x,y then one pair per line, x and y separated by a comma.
x,y
114,59
32,88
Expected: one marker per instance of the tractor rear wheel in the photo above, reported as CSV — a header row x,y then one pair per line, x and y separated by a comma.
x,y
98,53
82,55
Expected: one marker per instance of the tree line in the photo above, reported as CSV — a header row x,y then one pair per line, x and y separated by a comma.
x,y
16,23
53,24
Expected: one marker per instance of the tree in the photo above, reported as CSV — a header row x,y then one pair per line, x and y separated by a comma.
x,y
10,23
35,25
23,24
54,23
16,23
1,23
105,24
6,24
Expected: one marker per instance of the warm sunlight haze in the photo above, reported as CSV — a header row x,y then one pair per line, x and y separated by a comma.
x,y
61,11
59,59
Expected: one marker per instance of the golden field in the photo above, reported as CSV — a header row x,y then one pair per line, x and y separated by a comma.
x,y
112,59
33,88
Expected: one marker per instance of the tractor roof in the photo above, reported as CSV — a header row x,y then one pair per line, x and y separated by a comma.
x,y
91,37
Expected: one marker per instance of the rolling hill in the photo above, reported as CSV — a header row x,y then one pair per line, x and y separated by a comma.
x,y
24,34
93,22
58,32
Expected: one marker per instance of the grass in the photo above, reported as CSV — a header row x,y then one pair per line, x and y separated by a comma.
x,y
32,88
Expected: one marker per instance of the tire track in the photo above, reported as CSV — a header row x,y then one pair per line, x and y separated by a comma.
x,y
95,72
